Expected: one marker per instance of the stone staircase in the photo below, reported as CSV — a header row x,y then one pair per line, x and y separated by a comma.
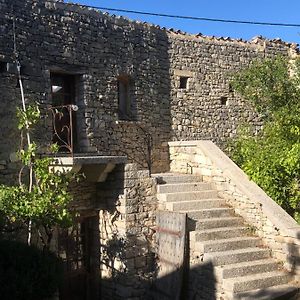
x,y
243,267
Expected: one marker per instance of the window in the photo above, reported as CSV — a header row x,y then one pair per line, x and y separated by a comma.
x,y
223,100
183,82
63,89
125,99
3,66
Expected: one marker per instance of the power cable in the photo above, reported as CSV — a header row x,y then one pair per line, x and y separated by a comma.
x,y
191,17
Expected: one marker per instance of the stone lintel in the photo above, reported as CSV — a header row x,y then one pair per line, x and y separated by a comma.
x,y
95,167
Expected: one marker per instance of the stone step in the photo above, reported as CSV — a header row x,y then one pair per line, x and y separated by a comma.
x,y
216,223
227,244
210,213
278,292
220,233
255,281
247,268
183,187
185,196
195,204
176,178
236,256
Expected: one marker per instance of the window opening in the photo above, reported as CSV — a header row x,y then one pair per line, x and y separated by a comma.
x,y
125,105
3,66
183,82
63,110
223,100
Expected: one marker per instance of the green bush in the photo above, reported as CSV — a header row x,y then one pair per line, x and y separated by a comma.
x,y
272,157
27,273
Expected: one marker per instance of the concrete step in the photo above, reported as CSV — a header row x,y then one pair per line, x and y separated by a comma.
x,y
227,244
185,196
195,204
211,213
184,187
220,233
256,281
176,178
217,223
278,292
236,256
247,268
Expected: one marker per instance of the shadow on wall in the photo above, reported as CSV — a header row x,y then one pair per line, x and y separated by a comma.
x,y
198,283
293,260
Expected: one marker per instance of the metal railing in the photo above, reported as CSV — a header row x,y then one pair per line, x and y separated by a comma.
x,y
63,126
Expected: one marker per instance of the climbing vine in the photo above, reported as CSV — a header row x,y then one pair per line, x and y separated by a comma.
x,y
41,197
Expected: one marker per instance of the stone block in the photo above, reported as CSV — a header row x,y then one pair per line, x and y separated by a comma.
x,y
130,167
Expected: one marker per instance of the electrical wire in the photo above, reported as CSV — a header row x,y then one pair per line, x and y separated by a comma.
x,y
191,17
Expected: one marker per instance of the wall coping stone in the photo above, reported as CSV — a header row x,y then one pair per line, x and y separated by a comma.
x,y
277,215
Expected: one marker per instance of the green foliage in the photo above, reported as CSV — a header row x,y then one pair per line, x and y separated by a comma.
x,y
41,199
269,85
272,157
27,272
45,204
29,117
27,155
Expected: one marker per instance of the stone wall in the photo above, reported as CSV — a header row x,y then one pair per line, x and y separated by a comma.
x,y
57,37
269,221
180,89
208,108
96,48
127,219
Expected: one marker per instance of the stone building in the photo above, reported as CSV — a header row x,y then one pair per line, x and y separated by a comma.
x,y
136,87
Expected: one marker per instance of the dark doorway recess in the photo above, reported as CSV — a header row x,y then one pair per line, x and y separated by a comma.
x,y
63,87
79,249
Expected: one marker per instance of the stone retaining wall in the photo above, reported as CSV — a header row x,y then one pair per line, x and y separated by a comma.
x,y
278,230
127,218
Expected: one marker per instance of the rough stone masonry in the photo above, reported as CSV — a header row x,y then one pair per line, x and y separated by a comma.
x,y
179,83
177,87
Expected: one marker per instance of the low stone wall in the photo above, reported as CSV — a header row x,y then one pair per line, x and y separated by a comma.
x,y
127,218
278,230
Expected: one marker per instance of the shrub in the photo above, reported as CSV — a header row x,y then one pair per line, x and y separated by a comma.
x,y
272,157
28,273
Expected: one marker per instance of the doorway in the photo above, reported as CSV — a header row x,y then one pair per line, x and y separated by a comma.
x,y
63,87
79,249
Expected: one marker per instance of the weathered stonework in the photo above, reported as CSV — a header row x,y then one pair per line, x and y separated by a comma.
x,y
52,36
278,230
127,220
181,91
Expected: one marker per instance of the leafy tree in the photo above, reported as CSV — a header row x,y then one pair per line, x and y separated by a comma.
x,y
272,157
41,198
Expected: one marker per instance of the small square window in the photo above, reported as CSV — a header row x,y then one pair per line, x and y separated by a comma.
x,y
224,100
183,82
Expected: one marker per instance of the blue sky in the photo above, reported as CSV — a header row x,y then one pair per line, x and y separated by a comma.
x,y
279,11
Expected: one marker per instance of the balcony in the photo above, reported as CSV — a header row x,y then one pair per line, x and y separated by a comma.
x,y
95,167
